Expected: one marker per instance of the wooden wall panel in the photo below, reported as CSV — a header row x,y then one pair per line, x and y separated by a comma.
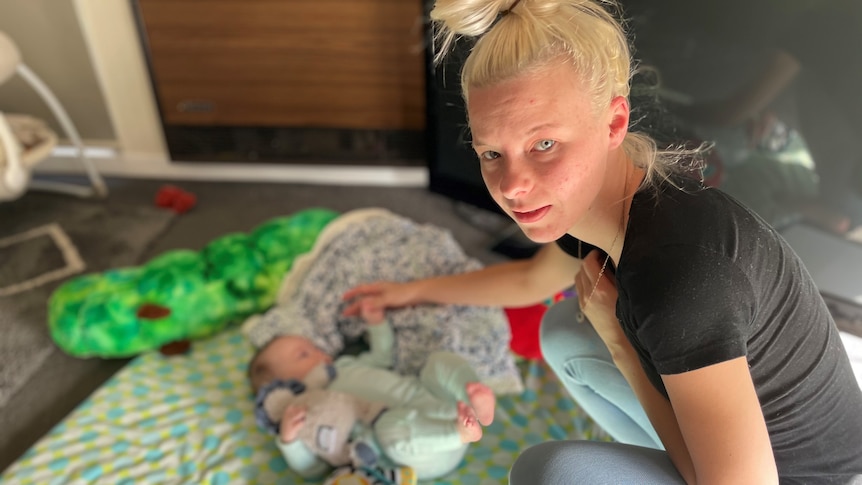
x,y
305,63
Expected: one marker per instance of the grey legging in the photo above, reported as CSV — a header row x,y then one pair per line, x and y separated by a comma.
x,y
592,462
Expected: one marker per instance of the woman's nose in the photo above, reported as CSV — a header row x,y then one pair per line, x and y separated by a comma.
x,y
515,180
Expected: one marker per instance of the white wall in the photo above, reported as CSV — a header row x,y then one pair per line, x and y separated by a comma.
x,y
49,37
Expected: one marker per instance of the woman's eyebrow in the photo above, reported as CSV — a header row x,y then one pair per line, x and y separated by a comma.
x,y
542,126
532,131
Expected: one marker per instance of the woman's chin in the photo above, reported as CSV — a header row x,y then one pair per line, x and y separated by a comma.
x,y
541,235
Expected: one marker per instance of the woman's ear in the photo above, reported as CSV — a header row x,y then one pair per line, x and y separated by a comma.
x,y
619,121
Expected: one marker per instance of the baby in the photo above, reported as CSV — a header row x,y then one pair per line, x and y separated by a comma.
x,y
428,421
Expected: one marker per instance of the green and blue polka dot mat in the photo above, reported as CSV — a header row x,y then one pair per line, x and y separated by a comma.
x,y
189,420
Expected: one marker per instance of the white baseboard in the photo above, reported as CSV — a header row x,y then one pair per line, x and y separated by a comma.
x,y
111,163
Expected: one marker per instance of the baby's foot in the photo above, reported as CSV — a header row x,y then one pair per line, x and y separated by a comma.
x,y
468,426
483,402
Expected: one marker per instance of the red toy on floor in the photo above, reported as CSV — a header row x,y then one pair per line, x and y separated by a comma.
x,y
175,198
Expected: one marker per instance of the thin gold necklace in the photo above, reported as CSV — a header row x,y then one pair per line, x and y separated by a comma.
x,y
581,317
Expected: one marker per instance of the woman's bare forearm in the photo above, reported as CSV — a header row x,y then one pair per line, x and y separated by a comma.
x,y
505,284
512,284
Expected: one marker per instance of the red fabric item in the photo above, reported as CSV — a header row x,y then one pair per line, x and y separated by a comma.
x,y
524,323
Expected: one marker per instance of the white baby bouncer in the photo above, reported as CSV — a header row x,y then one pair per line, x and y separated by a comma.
x,y
25,140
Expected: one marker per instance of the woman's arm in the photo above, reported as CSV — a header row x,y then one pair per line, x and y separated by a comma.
x,y
713,427
512,284
722,423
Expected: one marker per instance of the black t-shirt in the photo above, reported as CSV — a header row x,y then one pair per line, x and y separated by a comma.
x,y
703,280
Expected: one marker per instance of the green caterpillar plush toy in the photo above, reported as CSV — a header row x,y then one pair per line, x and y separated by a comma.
x,y
181,294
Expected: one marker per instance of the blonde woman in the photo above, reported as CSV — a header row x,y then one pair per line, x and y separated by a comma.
x,y
698,339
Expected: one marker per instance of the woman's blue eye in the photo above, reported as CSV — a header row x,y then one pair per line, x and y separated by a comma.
x,y
545,145
489,155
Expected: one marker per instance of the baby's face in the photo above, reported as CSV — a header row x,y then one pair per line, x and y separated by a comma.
x,y
287,357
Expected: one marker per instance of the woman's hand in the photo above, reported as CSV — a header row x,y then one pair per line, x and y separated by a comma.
x,y
387,294
599,306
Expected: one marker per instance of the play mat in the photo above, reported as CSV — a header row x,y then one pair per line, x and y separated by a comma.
x,y
187,417
188,420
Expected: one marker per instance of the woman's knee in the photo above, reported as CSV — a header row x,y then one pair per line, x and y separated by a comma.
x,y
562,337
562,462
543,463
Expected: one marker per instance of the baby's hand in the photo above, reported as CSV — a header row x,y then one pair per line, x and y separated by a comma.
x,y
292,420
392,295
371,310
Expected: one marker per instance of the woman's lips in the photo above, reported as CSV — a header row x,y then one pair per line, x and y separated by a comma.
x,y
531,216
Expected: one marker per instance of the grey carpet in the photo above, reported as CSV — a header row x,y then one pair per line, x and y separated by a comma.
x,y
105,235
62,382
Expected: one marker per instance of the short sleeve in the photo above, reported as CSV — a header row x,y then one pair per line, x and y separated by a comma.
x,y
688,308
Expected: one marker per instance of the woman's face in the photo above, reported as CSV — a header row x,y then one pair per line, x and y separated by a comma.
x,y
543,149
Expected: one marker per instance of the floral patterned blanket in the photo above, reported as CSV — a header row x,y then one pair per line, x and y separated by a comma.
x,y
369,245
